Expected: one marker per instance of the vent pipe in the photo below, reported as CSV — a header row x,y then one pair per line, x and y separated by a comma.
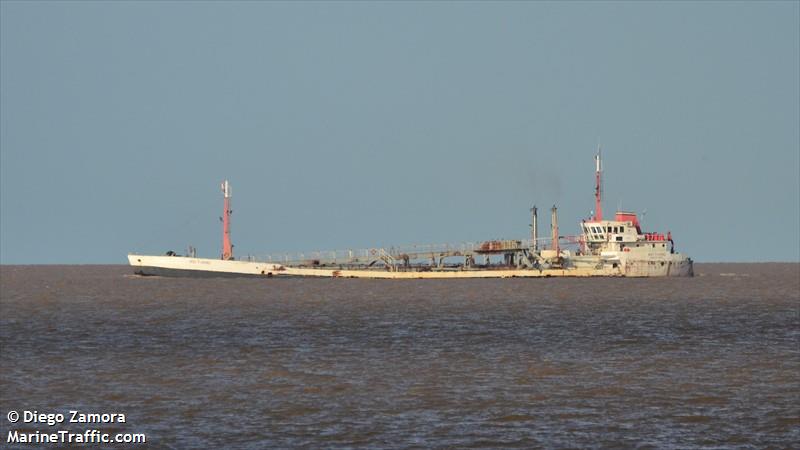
x,y
554,228
534,229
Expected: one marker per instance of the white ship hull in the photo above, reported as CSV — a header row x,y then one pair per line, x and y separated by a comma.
x,y
179,266
204,267
671,267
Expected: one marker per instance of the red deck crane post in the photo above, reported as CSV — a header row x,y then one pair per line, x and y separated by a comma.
x,y
227,247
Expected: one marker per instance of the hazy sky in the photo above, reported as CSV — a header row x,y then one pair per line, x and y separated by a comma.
x,y
347,125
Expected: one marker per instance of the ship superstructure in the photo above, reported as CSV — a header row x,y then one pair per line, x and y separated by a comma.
x,y
602,247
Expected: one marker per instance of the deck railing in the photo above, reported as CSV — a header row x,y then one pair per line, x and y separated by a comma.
x,y
413,251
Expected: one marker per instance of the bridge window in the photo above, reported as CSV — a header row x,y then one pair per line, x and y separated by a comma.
x,y
621,229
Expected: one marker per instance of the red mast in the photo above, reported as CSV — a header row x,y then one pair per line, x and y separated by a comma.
x,y
227,247
598,191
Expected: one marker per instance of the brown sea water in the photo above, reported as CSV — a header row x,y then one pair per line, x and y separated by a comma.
x,y
705,362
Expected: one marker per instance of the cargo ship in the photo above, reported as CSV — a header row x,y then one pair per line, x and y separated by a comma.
x,y
615,247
